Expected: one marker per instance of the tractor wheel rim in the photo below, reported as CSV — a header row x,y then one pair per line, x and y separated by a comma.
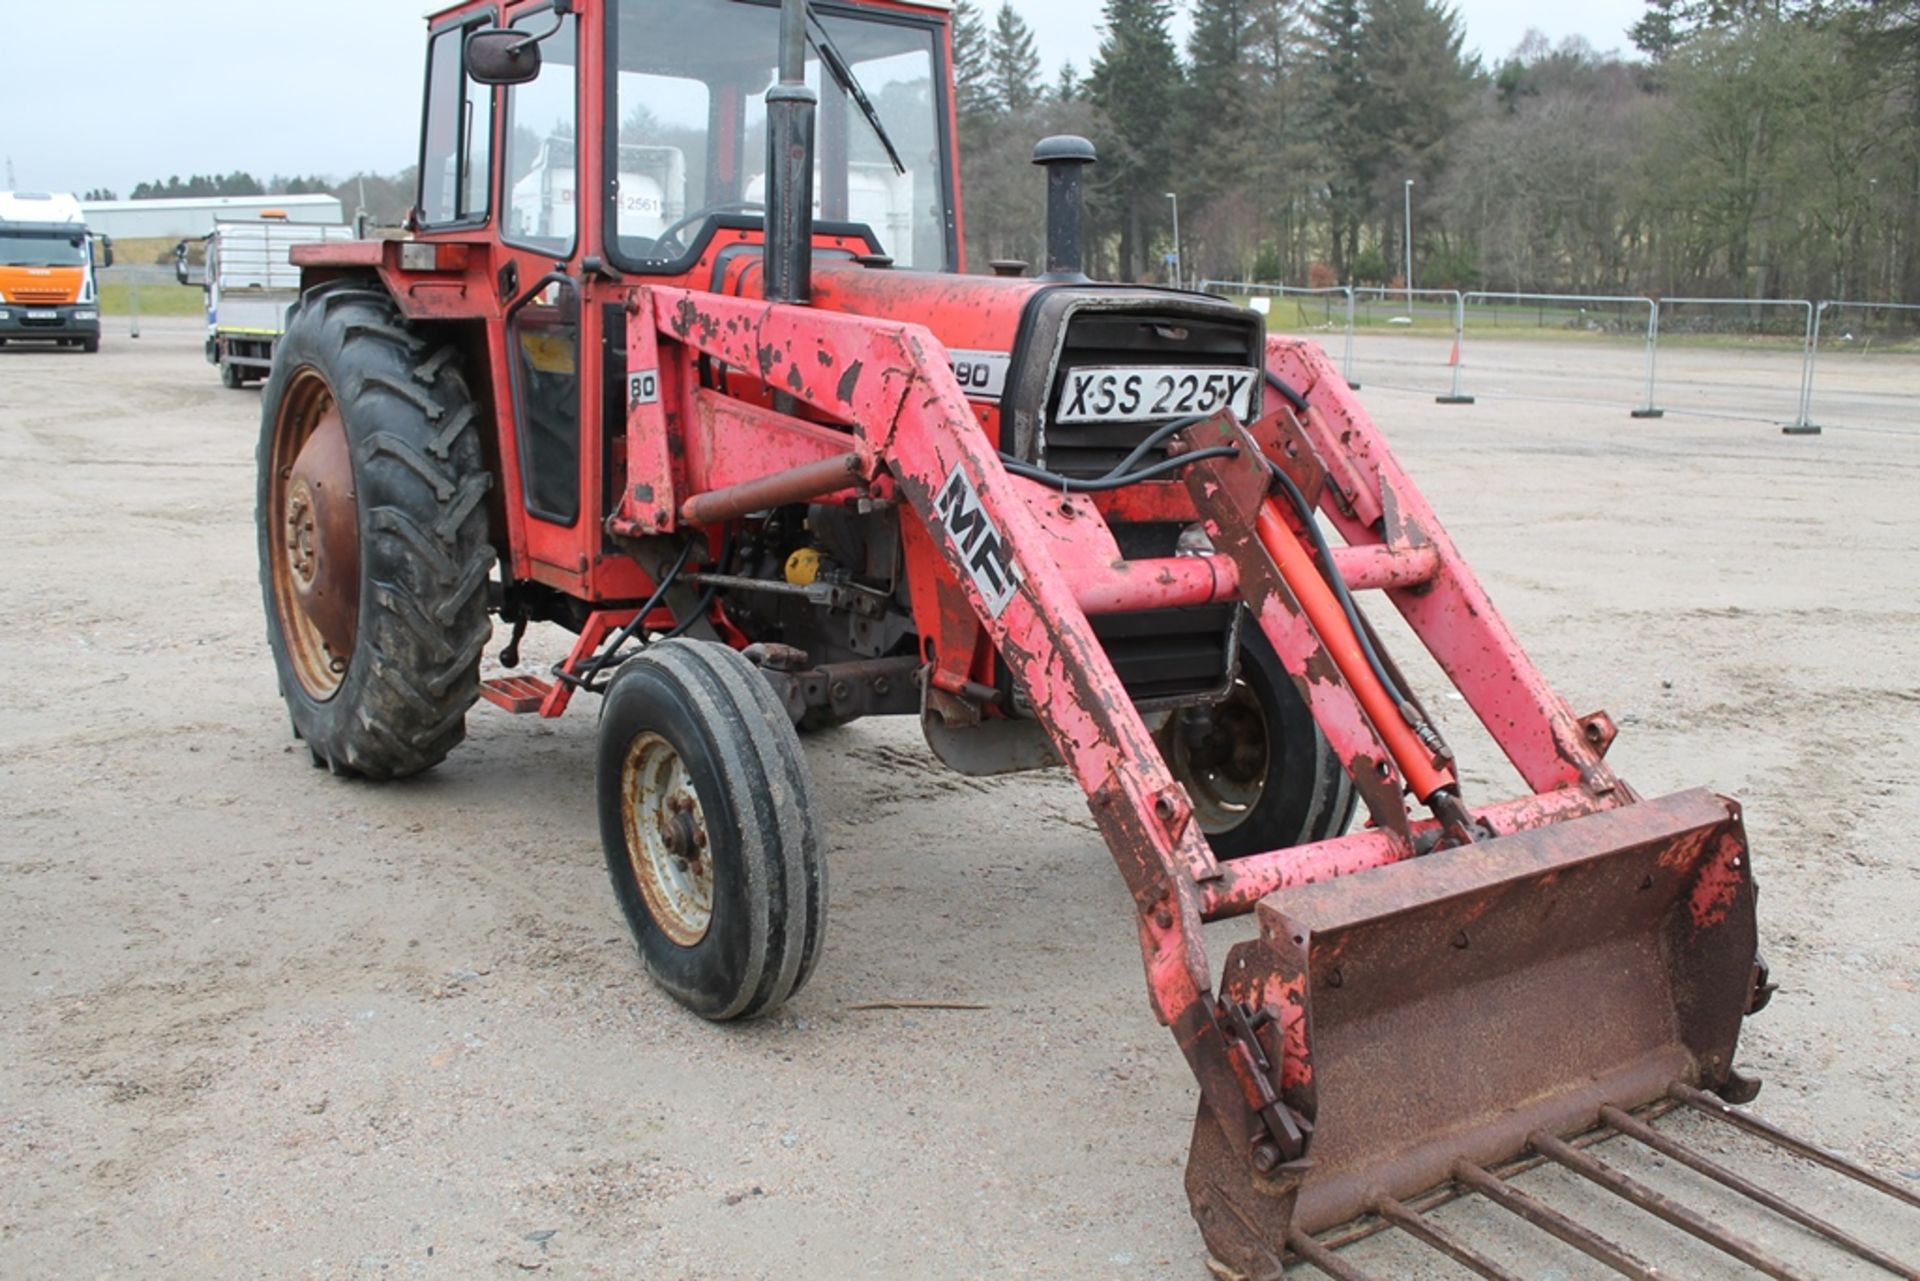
x,y
313,536
667,841
1221,753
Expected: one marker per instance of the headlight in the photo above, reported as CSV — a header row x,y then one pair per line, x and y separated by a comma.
x,y
86,315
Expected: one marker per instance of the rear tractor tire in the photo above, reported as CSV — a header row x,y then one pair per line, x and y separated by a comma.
x,y
374,553
1260,773
707,817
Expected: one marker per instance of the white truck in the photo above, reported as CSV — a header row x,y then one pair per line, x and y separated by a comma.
x,y
251,285
49,291
653,192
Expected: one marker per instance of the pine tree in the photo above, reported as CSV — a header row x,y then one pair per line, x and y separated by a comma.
x,y
1353,155
1067,87
1214,109
1136,85
1015,63
1420,80
972,72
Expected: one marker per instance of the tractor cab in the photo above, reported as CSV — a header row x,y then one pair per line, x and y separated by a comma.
x,y
670,97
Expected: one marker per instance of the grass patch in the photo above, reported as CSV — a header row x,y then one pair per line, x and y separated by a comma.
x,y
116,299
148,251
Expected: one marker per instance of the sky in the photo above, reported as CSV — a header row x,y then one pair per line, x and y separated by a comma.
x,y
118,91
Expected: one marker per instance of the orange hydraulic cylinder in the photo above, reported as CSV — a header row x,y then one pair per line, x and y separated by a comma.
x,y
1337,634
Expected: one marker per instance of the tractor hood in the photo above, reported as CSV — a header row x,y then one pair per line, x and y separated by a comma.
x,y
1016,344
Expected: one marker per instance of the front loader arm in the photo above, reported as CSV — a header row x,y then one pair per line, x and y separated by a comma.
x,y
1373,501
911,422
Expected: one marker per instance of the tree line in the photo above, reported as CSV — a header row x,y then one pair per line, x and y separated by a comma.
x,y
1766,148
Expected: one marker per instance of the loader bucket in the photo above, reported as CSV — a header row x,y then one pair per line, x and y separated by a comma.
x,y
1445,1009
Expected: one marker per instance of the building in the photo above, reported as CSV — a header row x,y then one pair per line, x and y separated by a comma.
x,y
194,217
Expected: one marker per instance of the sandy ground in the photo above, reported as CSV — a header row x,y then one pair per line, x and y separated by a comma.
x,y
258,1022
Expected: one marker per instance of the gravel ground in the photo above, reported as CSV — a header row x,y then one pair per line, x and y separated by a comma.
x,y
258,1022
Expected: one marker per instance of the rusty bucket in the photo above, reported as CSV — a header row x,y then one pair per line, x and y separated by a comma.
x,y
1441,1011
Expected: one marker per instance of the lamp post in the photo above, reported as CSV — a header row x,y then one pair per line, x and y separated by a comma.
x,y
1179,263
1409,247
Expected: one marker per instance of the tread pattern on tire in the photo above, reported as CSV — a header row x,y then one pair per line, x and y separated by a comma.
x,y
425,550
767,767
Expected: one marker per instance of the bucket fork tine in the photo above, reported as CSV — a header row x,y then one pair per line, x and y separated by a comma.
x,y
1324,1259
1638,1193
1641,1132
1427,1232
1701,1101
1554,1223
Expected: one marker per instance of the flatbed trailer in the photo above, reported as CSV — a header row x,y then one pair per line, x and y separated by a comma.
x,y
251,286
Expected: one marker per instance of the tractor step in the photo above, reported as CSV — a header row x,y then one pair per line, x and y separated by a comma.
x,y
521,695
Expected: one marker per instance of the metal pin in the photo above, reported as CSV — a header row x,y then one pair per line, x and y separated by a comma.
x,y
1550,1220
1753,1125
1659,1206
1643,1133
1424,1229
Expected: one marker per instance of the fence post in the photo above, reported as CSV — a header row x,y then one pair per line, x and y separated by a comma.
x,y
1652,408
1347,367
1456,396
1805,425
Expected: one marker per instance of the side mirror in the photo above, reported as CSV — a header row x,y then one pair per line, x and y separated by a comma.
x,y
181,266
106,251
498,56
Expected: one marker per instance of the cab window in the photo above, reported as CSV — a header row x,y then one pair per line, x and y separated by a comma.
x,y
458,139
543,163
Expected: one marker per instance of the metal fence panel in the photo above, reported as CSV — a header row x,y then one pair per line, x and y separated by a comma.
x,y
1396,344
1878,347
1607,322
1383,340
1758,327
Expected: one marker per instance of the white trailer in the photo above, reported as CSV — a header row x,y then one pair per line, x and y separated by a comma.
x,y
251,286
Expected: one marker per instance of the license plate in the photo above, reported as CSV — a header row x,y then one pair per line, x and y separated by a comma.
x,y
1150,394
42,315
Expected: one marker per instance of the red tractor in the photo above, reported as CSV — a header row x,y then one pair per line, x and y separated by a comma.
x,y
678,356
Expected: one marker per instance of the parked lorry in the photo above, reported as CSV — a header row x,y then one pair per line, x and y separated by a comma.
x,y
250,285
49,291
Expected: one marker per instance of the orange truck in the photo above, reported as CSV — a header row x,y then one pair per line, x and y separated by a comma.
x,y
48,288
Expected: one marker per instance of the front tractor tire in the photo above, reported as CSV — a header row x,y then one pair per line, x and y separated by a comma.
x,y
708,821
374,552
1260,773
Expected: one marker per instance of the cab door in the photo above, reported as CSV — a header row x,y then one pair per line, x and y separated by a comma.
x,y
550,330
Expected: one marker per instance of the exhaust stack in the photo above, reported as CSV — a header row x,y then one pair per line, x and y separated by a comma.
x,y
791,111
1065,158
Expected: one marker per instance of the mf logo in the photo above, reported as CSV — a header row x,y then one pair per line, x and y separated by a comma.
x,y
982,547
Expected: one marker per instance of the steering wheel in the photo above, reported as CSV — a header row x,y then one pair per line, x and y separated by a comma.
x,y
670,238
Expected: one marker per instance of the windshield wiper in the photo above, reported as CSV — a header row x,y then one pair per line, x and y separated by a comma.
x,y
843,76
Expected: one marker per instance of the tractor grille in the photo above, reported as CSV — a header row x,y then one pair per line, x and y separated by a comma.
x,y
39,297
1106,339
1172,657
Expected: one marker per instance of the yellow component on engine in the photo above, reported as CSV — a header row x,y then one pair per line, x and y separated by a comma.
x,y
803,567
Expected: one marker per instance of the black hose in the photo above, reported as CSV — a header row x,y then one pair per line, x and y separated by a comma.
x,y
1408,709
1292,397
611,655
1154,442
1114,480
